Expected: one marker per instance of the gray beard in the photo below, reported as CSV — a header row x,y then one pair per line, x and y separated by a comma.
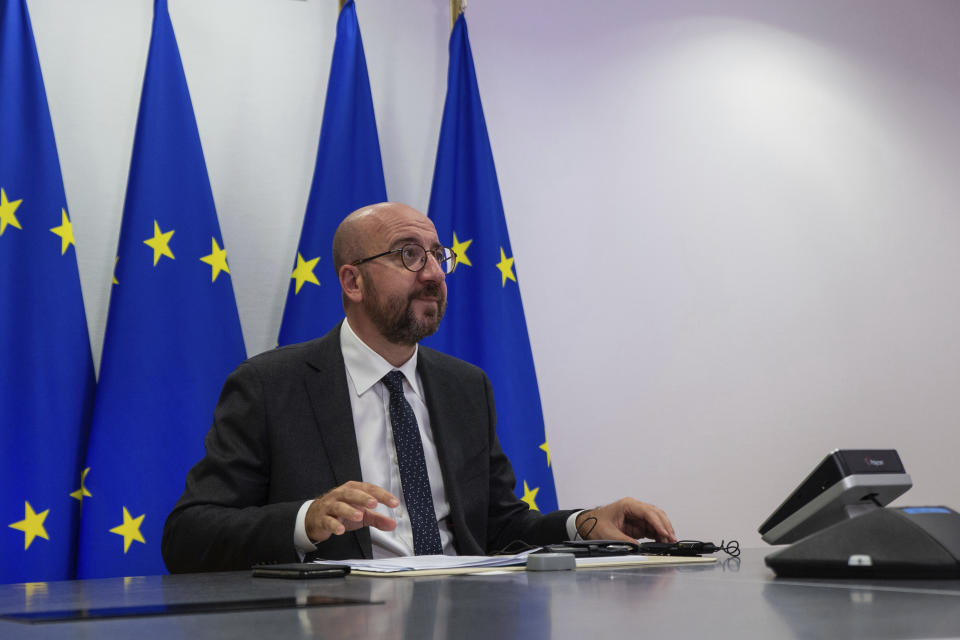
x,y
394,317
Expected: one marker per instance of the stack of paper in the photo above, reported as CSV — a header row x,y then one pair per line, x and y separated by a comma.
x,y
449,565
431,563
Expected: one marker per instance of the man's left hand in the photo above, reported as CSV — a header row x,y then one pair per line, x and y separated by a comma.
x,y
628,520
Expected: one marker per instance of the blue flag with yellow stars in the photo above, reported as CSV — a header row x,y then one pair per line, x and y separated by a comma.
x,y
172,335
484,323
348,175
46,370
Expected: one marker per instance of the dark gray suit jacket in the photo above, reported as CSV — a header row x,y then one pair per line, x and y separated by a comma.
x,y
283,433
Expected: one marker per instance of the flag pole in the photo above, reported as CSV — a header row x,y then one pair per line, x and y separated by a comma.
x,y
456,8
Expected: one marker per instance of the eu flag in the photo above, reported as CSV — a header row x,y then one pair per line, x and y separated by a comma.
x,y
484,322
46,370
348,175
172,336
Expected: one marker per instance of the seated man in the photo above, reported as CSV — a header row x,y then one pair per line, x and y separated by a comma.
x,y
398,441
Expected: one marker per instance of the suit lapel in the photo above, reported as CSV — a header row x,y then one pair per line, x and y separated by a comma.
x,y
444,402
326,382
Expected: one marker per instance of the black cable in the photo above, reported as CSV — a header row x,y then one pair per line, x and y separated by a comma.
x,y
584,534
689,548
513,548
732,548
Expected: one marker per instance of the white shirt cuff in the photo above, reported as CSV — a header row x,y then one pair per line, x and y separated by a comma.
x,y
300,539
572,526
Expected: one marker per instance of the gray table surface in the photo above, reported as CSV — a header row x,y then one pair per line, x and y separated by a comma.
x,y
735,598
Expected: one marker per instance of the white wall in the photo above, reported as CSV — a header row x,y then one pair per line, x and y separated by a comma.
x,y
735,222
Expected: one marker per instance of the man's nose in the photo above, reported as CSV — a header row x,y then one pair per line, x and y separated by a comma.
x,y
432,269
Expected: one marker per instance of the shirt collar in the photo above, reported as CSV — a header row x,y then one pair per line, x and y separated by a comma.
x,y
366,367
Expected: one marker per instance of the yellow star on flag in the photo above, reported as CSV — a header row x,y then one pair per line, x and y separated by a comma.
x,y
160,243
304,272
31,525
115,261
506,268
130,529
460,250
529,496
65,231
217,259
82,492
7,210
546,448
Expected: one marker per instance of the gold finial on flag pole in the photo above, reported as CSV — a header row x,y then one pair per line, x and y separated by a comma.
x,y
456,8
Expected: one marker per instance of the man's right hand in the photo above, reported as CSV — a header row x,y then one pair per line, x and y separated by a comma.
x,y
347,508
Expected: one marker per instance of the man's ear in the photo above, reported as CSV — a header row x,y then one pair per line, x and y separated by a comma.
x,y
351,281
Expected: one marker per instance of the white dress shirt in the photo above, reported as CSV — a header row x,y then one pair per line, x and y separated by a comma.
x,y
370,403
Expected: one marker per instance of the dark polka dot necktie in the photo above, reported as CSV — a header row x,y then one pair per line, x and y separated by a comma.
x,y
413,469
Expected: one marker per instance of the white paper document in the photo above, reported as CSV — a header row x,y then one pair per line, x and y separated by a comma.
x,y
431,563
440,565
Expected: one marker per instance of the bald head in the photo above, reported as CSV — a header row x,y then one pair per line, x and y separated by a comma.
x,y
362,232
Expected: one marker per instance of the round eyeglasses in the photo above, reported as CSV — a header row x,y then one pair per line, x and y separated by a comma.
x,y
414,257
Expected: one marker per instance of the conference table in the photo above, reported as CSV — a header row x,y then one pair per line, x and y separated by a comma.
x,y
733,598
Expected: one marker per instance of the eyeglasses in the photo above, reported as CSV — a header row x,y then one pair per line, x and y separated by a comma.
x,y
415,257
